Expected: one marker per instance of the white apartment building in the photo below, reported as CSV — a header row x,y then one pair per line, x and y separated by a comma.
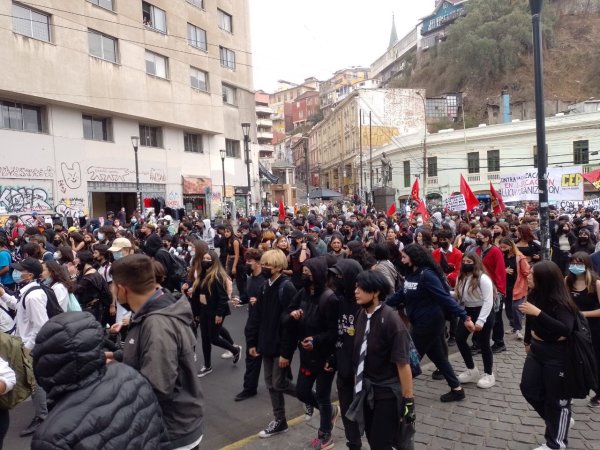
x,y
83,76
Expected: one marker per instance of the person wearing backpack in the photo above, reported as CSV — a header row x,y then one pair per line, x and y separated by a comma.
x,y
5,259
92,290
176,271
551,316
32,314
7,382
56,276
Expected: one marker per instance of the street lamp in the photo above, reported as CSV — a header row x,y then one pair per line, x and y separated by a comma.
x,y
246,131
223,154
135,141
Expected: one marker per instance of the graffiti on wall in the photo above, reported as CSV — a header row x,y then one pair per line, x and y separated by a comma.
x,y
111,174
24,199
26,172
71,175
173,200
71,207
157,176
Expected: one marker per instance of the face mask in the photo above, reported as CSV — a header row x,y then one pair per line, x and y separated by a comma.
x,y
179,249
125,305
56,243
575,269
445,245
382,228
133,220
206,265
192,254
479,242
17,277
48,281
267,272
468,268
118,255
329,228
100,236
190,248
307,280
57,255
80,267
583,239
339,285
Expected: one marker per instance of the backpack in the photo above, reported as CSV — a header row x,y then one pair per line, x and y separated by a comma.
x,y
19,360
177,270
581,373
52,306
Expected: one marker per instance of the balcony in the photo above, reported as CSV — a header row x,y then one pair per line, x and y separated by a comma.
x,y
474,178
264,110
268,123
264,135
493,176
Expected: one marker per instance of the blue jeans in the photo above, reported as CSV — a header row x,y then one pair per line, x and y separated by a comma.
x,y
518,316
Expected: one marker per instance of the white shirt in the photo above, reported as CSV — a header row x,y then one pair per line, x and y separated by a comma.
x,y
33,317
482,297
7,375
62,295
7,323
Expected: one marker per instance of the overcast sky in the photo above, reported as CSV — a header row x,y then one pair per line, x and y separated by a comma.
x,y
293,40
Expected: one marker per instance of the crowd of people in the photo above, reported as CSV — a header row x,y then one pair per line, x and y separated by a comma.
x,y
354,293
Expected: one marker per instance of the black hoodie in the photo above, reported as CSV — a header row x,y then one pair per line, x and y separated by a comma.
x,y
319,319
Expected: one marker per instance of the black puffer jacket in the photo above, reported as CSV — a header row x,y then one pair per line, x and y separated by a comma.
x,y
93,405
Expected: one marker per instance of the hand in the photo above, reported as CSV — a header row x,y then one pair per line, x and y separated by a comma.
x,y
283,363
529,309
307,344
252,352
328,368
233,271
527,348
509,271
2,291
115,328
109,356
478,328
408,410
184,287
296,314
469,326
218,320
112,310
252,301
125,320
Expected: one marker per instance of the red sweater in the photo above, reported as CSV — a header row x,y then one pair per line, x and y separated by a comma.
x,y
453,258
493,261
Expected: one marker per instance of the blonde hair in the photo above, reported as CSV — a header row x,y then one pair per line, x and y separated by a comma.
x,y
275,258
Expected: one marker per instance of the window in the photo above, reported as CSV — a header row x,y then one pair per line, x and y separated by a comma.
x,y
493,160
96,128
199,79
30,22
192,143
227,58
432,168
150,136
197,37
473,162
198,3
102,46
156,64
225,21
581,152
406,173
17,116
232,148
229,95
106,4
154,17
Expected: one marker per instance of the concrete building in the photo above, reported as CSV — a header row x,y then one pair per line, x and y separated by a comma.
x,y
91,74
341,84
281,103
264,134
433,28
305,106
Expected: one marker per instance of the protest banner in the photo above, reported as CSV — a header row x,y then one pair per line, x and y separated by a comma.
x,y
456,203
564,183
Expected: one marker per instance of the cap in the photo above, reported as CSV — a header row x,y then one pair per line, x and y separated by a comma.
x,y
168,218
315,230
297,234
119,244
29,265
335,270
72,229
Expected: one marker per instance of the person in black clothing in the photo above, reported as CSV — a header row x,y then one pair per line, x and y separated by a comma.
x,y
92,291
584,242
550,320
154,248
312,325
343,280
254,284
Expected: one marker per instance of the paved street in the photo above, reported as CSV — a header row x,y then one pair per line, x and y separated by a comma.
x,y
494,418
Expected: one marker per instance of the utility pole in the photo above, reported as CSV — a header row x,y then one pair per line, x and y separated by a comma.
x,y
361,153
307,168
536,13
371,155
424,147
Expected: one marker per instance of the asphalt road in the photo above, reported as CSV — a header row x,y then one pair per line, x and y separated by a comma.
x,y
226,421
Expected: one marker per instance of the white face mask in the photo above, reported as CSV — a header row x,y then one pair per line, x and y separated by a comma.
x,y
100,236
57,255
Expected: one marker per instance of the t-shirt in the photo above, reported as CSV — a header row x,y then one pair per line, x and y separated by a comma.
x,y
5,260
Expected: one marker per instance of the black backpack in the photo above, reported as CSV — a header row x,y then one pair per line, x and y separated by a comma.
x,y
177,272
52,306
581,373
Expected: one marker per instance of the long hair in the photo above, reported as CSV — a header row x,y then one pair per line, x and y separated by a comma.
x,y
214,274
59,274
478,271
591,277
200,248
513,247
549,288
525,233
422,259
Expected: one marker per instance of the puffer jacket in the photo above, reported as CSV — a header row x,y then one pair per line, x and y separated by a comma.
x,y
92,405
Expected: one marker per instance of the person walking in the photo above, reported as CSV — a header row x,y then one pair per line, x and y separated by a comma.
x,y
517,271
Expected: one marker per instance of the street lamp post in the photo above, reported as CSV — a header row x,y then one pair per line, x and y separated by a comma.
x,y
223,154
246,131
536,13
135,141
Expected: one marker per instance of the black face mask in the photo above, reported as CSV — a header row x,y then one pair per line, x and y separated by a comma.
x,y
445,245
307,280
80,267
267,272
125,305
467,268
479,242
206,265
329,228
339,285
583,239
382,228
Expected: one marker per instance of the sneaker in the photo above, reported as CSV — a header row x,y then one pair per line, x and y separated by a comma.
x,y
31,427
469,376
542,447
322,442
451,342
237,356
594,402
335,415
204,371
571,423
244,395
274,428
498,348
486,381
453,396
227,355
308,412
437,375
519,335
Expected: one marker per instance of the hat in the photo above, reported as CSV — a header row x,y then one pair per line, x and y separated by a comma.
x,y
315,230
168,218
29,265
297,234
119,244
72,229
335,270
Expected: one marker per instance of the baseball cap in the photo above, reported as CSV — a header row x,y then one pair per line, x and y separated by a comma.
x,y
29,265
297,234
315,230
72,230
119,244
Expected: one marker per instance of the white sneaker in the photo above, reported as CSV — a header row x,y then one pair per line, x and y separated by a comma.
x,y
227,355
519,335
571,423
486,381
469,376
542,447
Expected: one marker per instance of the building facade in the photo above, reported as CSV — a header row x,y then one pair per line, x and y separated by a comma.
x,y
343,82
281,103
304,107
92,74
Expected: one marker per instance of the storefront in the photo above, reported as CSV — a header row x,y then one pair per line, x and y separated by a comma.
x,y
196,191
241,195
108,196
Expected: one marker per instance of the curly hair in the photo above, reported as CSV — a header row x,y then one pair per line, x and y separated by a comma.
x,y
421,258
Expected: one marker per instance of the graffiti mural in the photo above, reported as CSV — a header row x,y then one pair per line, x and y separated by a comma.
x,y
71,207
71,175
24,199
111,174
157,176
173,200
26,172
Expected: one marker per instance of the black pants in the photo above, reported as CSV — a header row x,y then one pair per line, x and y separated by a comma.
x,y
381,424
483,339
430,341
252,374
4,424
321,398
452,324
541,385
498,333
345,388
211,335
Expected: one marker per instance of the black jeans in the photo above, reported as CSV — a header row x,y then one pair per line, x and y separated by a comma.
x,y
4,424
252,374
430,341
483,339
211,335
345,388
498,333
381,424
321,399
541,385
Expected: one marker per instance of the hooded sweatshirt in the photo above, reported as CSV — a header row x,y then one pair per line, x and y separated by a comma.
x,y
208,234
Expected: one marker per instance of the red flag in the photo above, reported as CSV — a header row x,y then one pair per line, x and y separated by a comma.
x,y
421,209
392,210
470,198
593,177
414,192
497,202
281,209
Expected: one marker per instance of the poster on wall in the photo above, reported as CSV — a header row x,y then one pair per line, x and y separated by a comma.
x,y
564,183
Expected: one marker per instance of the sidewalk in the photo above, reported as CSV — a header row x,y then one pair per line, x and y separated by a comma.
x,y
496,418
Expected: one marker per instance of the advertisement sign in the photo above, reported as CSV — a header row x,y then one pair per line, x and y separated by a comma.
x,y
564,183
